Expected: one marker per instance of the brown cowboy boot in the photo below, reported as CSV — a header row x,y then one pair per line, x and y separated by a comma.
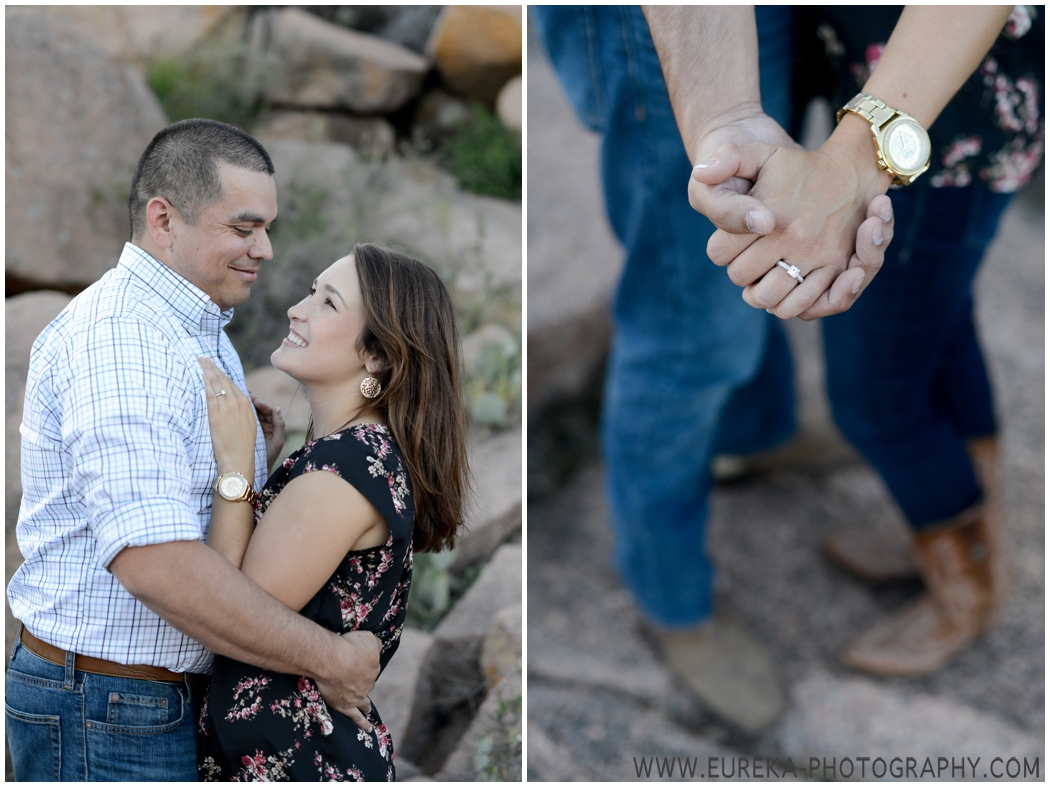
x,y
888,555
956,562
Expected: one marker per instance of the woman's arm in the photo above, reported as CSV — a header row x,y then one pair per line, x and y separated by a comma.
x,y
305,534
819,198
231,419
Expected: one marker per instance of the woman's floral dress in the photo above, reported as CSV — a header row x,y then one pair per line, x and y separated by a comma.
x,y
258,725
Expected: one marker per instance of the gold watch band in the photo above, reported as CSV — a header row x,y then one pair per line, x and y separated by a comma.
x,y
869,108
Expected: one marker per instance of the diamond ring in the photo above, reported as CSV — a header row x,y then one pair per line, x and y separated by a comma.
x,y
792,271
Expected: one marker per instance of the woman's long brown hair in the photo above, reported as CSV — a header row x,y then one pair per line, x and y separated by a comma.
x,y
410,326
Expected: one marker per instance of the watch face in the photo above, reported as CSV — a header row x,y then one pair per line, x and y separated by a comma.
x,y
232,486
906,146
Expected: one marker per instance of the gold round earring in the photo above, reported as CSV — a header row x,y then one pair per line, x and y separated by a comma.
x,y
370,387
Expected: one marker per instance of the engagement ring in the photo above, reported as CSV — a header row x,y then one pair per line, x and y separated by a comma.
x,y
792,271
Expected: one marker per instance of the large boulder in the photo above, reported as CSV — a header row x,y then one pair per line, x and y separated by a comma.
x,y
490,749
77,123
25,316
402,693
139,34
508,105
477,48
371,137
495,512
454,661
319,64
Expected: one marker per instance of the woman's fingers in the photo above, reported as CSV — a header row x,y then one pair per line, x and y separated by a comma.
x,y
804,295
873,238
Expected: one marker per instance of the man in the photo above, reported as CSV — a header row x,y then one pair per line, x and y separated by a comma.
x,y
121,602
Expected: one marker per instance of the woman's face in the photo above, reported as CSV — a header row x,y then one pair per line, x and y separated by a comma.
x,y
321,346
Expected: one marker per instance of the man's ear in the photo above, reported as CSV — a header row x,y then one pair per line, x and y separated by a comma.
x,y
159,217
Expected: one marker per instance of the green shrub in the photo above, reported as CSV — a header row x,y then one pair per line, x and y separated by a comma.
x,y
217,79
485,157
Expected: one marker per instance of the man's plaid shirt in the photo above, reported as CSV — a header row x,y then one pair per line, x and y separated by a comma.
x,y
116,452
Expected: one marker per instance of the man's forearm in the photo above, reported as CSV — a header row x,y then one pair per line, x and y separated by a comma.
x,y
931,54
709,57
205,597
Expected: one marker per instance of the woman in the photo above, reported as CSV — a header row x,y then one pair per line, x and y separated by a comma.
x,y
383,470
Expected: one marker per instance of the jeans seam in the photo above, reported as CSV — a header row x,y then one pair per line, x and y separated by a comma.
x,y
593,63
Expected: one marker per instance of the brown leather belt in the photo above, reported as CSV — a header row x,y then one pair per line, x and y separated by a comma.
x,y
103,667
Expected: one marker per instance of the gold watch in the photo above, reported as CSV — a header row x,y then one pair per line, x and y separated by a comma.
x,y
235,488
902,146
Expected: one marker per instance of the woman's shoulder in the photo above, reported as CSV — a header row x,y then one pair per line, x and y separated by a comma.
x,y
366,456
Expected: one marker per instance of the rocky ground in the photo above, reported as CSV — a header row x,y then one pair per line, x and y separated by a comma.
x,y
599,698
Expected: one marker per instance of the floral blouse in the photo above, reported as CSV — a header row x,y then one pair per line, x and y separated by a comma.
x,y
258,725
992,131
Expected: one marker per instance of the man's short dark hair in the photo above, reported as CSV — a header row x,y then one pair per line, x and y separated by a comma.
x,y
181,164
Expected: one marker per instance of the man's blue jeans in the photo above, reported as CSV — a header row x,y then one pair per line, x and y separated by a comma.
x,y
693,369
67,725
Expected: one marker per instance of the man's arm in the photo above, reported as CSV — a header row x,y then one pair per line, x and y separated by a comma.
x,y
204,596
709,57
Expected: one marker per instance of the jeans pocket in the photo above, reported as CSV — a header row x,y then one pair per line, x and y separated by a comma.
x,y
140,731
35,743
136,711
143,714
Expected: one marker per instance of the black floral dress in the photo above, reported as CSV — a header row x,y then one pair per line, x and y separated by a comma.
x,y
258,725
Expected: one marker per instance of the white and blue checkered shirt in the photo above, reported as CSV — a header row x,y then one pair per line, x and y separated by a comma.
x,y
116,452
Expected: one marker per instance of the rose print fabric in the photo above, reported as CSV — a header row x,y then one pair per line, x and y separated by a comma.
x,y
265,726
992,131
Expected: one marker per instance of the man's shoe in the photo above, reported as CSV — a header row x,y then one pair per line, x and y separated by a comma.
x,y
727,668
961,568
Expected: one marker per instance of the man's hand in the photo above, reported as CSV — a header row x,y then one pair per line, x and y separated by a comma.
x,y
352,676
728,154
820,200
272,421
204,596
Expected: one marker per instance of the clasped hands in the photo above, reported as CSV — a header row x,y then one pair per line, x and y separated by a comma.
x,y
824,211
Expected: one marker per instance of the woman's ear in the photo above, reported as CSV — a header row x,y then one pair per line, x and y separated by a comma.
x,y
374,364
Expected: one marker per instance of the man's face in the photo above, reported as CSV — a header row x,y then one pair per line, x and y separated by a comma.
x,y
222,253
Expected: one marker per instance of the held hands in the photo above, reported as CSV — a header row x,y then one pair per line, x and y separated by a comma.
x,y
832,219
348,692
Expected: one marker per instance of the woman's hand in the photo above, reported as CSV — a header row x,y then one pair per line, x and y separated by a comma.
x,y
231,418
273,428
